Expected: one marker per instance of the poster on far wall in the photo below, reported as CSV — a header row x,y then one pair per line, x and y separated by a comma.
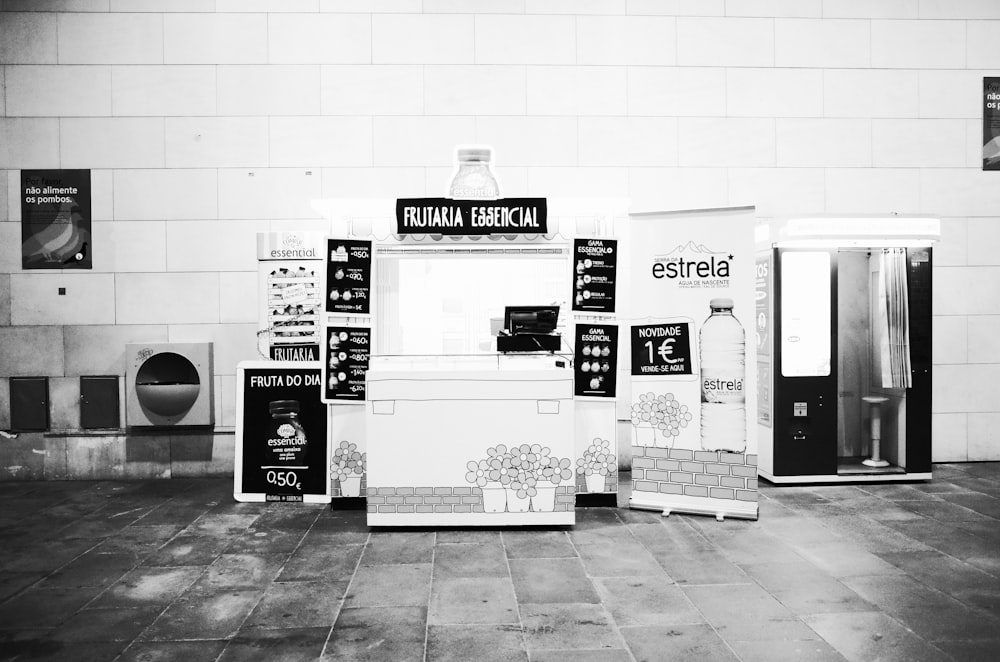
x,y
991,123
55,219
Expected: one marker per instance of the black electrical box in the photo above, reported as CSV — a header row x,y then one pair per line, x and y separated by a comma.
x,y
29,404
99,403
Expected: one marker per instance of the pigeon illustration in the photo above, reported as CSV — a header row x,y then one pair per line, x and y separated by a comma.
x,y
59,240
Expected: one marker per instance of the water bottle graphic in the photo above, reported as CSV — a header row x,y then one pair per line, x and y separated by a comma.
x,y
723,379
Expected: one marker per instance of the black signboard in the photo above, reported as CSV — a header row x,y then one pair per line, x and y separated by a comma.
x,y
596,263
348,349
55,219
662,349
596,360
281,436
295,352
348,276
445,216
991,123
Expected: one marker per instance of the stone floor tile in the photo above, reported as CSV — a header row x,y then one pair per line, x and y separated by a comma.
x,y
653,643
286,645
568,626
703,568
298,605
201,615
551,580
240,571
377,634
264,540
866,636
537,544
486,643
457,536
602,655
321,562
482,600
90,569
805,589
170,651
785,650
646,600
625,558
15,582
148,585
43,607
222,525
188,549
390,586
399,547
51,650
841,558
470,560
971,651
119,624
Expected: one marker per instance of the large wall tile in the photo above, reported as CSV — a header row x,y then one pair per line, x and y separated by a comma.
x,y
28,143
584,7
320,141
186,6
984,339
213,245
167,298
539,39
49,90
119,142
111,38
216,142
628,141
459,6
982,42
64,403
967,291
949,437
984,238
952,250
373,183
31,351
10,247
947,94
676,91
676,7
28,38
269,192
420,141
102,194
950,339
736,142
35,298
422,39
984,437
831,143
725,42
966,388
100,349
261,89
868,93
869,9
872,190
4,299
963,9
777,191
918,44
163,90
561,90
918,143
372,89
822,43
232,343
238,297
474,90
528,141
233,6
215,38
572,182
774,92
322,38
130,246
635,40
58,5
959,192
654,189
142,195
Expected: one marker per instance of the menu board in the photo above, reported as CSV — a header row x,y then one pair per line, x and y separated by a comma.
x,y
345,363
596,360
596,264
662,349
348,276
281,433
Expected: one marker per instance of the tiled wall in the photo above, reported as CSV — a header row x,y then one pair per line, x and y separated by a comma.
x,y
206,121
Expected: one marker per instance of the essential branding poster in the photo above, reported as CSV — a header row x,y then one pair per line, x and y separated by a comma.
x,y
282,452
445,216
595,270
694,361
991,123
346,355
596,360
348,276
55,219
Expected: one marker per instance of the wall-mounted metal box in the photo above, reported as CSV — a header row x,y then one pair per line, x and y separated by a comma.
x,y
29,404
99,405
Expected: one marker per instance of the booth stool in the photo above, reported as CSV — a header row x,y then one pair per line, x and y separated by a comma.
x,y
876,430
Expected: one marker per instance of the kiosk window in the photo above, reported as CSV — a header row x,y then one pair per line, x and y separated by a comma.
x,y
805,314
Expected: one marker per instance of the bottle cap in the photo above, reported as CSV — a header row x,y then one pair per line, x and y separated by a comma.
x,y
721,302
283,407
474,154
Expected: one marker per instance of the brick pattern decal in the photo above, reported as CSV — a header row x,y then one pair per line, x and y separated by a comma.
x,y
446,499
715,474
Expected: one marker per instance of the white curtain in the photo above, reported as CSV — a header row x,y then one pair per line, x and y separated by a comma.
x,y
893,320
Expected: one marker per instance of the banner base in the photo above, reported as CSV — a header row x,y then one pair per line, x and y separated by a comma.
x,y
719,508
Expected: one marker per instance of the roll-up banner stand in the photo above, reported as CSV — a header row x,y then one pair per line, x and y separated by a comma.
x,y
693,371
595,374
282,452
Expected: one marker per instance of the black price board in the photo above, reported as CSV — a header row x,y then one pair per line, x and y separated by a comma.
x,y
282,452
445,216
662,349
345,363
595,267
348,276
55,220
595,365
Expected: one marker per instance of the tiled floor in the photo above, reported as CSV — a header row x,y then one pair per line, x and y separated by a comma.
x,y
175,570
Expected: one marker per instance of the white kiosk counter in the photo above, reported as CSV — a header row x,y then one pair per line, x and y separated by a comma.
x,y
474,440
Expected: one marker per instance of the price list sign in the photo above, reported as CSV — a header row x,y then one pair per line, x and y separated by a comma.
x,y
662,349
596,263
595,360
347,353
281,435
348,276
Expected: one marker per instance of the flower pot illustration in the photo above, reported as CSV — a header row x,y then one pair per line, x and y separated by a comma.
x,y
595,483
645,435
348,466
597,463
518,479
350,486
516,503
659,413
544,500
494,498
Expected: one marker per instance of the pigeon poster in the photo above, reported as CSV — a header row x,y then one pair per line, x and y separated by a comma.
x,y
991,123
55,219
